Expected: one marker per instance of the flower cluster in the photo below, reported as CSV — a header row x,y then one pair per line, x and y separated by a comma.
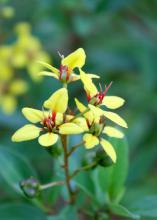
x,y
53,121
21,54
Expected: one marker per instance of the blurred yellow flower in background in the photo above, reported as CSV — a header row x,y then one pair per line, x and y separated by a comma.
x,y
27,50
7,12
9,91
21,54
6,69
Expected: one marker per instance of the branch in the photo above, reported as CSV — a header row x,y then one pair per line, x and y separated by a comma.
x,y
74,148
87,167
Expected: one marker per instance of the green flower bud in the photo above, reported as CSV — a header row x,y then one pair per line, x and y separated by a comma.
x,y
103,159
98,129
89,159
54,151
30,187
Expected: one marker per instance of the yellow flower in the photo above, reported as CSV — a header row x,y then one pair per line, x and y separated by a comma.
x,y
96,99
51,122
96,127
66,71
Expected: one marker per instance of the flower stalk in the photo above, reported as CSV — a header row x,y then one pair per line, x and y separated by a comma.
x,y
85,168
52,184
74,148
66,170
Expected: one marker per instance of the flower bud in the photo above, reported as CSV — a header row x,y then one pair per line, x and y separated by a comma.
x,y
30,187
89,159
54,151
98,129
103,159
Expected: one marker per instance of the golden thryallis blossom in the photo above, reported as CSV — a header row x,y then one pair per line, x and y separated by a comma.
x,y
27,50
66,72
97,99
52,122
96,117
9,91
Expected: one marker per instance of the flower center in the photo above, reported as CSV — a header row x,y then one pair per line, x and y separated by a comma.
x,y
49,122
96,128
64,73
98,98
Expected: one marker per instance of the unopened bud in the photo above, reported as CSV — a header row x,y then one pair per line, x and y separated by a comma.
x,y
98,129
54,151
103,159
30,187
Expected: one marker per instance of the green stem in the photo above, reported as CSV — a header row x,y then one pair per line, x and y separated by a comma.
x,y
66,170
57,183
65,85
74,148
87,167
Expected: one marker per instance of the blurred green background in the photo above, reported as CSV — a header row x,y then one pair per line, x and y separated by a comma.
x,y
120,40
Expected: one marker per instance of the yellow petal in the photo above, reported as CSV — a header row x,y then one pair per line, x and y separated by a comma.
x,y
74,77
108,148
48,66
46,73
110,115
8,104
115,118
33,115
58,101
82,108
75,59
27,132
91,75
88,84
18,87
113,132
48,139
96,110
68,117
81,122
59,118
113,102
90,140
70,128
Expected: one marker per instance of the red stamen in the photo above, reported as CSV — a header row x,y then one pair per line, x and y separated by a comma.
x,y
53,116
107,88
88,97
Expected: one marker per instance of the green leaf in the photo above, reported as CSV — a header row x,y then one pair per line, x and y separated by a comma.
x,y
85,183
68,212
112,179
14,168
122,211
20,212
146,207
